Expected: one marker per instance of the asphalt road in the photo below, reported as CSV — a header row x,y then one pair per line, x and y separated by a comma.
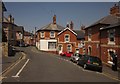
x,y
46,67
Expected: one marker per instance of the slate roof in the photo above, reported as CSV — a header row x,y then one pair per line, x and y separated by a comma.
x,y
52,26
111,26
110,19
80,34
26,33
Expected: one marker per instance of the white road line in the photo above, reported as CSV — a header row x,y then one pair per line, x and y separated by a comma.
x,y
17,75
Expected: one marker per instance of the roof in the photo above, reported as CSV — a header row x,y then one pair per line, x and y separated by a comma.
x,y
26,33
110,19
111,26
3,7
67,29
20,28
52,26
80,34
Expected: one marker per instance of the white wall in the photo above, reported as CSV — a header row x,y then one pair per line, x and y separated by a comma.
x,y
44,44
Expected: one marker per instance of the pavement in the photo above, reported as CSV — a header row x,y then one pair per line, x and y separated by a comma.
x,y
10,60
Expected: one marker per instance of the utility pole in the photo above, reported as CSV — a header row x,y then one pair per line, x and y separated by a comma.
x,y
35,36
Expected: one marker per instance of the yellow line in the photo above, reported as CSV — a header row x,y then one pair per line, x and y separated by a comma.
x,y
114,78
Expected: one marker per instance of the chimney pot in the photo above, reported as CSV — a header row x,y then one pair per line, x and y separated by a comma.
x,y
54,19
71,25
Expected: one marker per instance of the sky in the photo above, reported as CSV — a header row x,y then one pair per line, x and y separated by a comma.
x,y
39,14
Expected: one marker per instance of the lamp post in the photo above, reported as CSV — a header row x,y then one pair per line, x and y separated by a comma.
x,y
20,35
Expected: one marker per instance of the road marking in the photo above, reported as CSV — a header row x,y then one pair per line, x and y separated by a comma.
x,y
109,76
2,78
17,75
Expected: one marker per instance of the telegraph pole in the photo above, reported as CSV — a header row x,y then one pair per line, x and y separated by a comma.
x,y
35,36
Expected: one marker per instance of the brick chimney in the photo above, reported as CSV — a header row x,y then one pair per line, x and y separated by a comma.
x,y
67,25
71,25
82,28
115,10
54,19
10,18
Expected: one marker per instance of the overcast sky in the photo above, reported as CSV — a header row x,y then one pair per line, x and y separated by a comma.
x,y
39,14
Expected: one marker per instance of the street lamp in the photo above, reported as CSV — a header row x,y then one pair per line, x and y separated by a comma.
x,y
20,35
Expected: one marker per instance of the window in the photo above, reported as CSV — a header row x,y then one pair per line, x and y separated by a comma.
x,y
89,35
111,36
51,45
67,38
42,35
52,34
69,48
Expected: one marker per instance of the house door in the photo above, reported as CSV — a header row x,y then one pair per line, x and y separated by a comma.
x,y
60,48
89,50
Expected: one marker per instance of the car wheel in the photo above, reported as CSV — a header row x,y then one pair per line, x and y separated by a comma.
x,y
100,71
85,66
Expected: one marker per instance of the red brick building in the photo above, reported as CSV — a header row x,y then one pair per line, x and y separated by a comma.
x,y
110,43
47,36
28,38
98,35
70,40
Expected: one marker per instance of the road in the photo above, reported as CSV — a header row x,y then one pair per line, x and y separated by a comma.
x,y
46,67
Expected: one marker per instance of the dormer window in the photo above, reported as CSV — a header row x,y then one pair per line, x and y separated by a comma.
x,y
42,34
52,34
67,38
111,36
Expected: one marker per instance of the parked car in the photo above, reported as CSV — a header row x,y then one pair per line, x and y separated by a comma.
x,y
67,54
75,57
90,62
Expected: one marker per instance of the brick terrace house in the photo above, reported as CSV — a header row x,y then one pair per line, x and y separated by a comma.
x,y
9,29
103,37
110,43
70,40
28,38
19,34
47,36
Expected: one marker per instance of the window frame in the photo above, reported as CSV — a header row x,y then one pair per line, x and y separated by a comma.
x,y
68,38
51,34
42,34
111,31
70,48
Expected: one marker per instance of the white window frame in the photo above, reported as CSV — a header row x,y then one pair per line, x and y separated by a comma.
x,y
51,34
68,38
52,48
70,48
111,31
42,34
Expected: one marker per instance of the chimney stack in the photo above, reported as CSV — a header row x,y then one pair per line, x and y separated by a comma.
x,y
67,25
71,25
115,10
54,19
10,18
82,28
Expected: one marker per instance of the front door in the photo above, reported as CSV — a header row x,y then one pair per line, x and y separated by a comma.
x,y
60,48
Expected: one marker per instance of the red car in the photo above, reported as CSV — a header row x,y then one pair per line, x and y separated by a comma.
x,y
67,54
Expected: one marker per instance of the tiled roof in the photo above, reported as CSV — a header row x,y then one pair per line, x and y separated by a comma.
x,y
80,34
110,19
26,33
52,26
